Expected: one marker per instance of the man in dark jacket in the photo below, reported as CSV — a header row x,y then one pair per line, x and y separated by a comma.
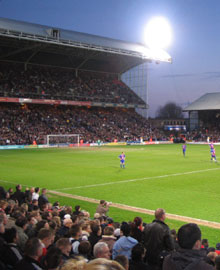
x,y
189,256
33,251
18,195
157,239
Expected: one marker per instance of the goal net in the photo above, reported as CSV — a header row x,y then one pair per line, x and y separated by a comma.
x,y
63,139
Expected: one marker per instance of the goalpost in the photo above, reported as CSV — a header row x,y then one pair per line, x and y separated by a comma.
x,y
63,139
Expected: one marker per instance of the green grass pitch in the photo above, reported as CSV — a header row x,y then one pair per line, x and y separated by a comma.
x,y
161,177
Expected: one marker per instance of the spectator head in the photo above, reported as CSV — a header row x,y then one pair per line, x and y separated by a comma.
x,y
137,221
64,245
46,216
205,243
46,237
101,250
75,219
189,236
102,202
11,235
109,231
96,229
84,248
125,229
75,231
3,204
86,227
44,191
212,256
37,189
53,258
160,214
123,261
68,222
103,264
18,187
77,208
33,248
138,252
42,224
73,264
21,222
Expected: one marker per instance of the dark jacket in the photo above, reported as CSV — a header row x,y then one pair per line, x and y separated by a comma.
x,y
11,254
42,200
134,265
27,263
157,240
18,196
186,259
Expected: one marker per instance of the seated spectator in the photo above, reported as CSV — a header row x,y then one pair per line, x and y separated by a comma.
x,y
101,250
125,243
65,228
137,258
75,237
77,210
32,251
74,264
85,250
46,238
53,259
109,238
189,255
65,246
21,224
95,235
137,229
205,244
123,261
11,254
103,264
210,258
86,230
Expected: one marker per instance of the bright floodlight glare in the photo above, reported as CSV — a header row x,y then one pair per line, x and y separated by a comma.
x,y
158,33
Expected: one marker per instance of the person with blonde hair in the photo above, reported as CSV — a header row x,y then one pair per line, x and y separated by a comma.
x,y
103,264
74,264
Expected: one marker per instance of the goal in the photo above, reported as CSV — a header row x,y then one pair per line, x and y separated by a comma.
x,y
63,139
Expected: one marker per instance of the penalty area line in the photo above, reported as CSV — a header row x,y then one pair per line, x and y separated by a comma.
x,y
138,179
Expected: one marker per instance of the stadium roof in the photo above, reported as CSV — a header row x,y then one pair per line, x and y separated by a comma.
x,y
45,45
209,101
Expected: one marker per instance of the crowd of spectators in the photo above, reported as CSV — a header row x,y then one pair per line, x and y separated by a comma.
x,y
34,234
62,84
23,124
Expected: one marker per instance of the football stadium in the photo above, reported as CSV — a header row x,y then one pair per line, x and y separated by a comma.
x,y
72,138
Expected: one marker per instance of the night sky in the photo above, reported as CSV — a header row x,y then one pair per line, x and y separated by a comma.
x,y
195,48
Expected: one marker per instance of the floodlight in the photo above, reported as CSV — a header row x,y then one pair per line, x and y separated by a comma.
x,y
158,34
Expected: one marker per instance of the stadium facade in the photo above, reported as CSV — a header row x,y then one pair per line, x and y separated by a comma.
x,y
204,111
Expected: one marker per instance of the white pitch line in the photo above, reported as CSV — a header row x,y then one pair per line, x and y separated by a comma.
x,y
138,179
16,183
